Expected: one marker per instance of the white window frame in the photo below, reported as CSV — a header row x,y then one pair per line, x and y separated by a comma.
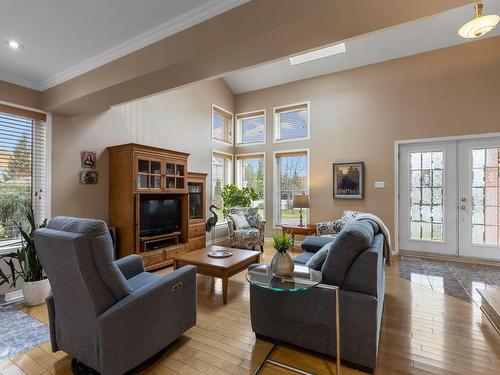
x,y
239,133
277,225
231,177
232,125
48,167
237,177
276,121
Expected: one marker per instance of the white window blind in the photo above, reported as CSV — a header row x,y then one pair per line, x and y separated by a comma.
x,y
291,178
222,125
222,174
250,172
251,128
22,173
291,122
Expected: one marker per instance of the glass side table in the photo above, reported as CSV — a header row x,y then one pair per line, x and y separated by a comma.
x,y
302,279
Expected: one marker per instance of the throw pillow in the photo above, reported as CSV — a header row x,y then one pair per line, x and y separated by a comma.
x,y
239,221
316,261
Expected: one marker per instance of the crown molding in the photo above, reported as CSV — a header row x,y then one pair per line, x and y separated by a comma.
x,y
197,15
19,81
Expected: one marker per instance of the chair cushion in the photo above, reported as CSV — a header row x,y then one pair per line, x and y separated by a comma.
x,y
239,221
315,243
251,214
142,279
303,258
350,242
101,245
316,261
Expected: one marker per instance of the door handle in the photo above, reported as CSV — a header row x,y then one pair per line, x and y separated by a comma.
x,y
463,200
462,207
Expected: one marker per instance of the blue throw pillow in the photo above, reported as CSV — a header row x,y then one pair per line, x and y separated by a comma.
x,y
316,261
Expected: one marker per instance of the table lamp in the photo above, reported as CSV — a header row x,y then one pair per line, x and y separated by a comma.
x,y
301,201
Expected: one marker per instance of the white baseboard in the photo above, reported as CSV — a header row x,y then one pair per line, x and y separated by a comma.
x,y
14,296
218,241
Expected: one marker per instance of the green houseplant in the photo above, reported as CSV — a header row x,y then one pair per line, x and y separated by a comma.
x,y
24,264
233,196
282,262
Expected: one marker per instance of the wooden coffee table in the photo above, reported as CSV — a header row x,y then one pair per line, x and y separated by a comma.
x,y
223,268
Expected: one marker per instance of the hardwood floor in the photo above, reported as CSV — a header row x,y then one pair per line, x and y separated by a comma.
x,y
423,332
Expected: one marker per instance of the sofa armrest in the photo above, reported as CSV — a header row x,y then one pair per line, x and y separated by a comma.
x,y
130,265
329,227
147,320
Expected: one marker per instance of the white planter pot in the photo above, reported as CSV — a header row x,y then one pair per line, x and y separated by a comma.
x,y
36,292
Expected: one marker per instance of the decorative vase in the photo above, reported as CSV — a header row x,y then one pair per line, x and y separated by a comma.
x,y
36,292
282,264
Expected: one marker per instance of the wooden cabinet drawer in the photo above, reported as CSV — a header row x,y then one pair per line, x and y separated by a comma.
x,y
153,258
196,243
196,230
173,251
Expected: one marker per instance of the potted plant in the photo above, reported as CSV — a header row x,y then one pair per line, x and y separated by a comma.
x,y
282,263
233,196
24,264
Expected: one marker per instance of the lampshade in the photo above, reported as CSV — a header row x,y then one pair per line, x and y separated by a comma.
x,y
300,201
479,25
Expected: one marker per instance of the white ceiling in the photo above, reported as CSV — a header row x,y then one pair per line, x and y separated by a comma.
x,y
408,39
65,38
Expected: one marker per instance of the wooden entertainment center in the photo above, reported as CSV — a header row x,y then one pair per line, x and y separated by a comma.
x,y
140,173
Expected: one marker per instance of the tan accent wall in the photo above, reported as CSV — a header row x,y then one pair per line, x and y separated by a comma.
x,y
19,95
359,114
179,120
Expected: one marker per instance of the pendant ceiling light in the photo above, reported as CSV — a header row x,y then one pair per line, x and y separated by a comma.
x,y
479,25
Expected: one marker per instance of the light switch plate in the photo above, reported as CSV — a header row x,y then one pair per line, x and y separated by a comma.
x,y
379,184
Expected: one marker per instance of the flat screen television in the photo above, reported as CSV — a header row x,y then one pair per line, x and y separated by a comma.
x,y
159,215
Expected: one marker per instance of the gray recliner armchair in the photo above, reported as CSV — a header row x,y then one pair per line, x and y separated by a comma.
x,y
109,315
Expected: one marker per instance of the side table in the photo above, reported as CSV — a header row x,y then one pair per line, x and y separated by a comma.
x,y
307,230
302,279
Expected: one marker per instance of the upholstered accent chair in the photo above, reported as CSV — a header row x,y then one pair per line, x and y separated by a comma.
x,y
332,228
109,315
251,236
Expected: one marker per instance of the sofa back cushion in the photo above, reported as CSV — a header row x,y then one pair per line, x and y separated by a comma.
x,y
344,249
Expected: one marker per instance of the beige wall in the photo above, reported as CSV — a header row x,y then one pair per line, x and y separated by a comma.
x,y
359,114
178,120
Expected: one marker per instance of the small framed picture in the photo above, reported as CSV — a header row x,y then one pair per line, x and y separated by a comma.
x,y
348,180
88,159
88,178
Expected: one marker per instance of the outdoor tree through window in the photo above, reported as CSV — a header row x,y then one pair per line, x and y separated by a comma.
x,y
250,173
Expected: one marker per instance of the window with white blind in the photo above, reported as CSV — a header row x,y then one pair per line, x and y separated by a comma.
x,y
222,174
222,125
251,128
250,172
23,166
291,177
291,122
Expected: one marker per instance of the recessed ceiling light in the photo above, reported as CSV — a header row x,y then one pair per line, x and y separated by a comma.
x,y
14,44
318,54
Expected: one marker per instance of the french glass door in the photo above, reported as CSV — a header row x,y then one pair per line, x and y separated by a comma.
x,y
449,198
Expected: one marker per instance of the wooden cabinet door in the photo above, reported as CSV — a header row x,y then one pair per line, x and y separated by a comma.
x,y
175,176
148,174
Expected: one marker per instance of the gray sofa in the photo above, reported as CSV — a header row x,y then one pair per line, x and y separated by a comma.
x,y
110,316
355,263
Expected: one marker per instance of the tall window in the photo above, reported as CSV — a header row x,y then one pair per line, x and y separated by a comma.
x,y
291,177
222,174
222,125
22,174
250,172
251,128
291,123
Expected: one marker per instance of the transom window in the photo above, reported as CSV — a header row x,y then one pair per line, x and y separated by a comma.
x,y
291,177
486,196
426,196
291,123
251,128
222,125
250,172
